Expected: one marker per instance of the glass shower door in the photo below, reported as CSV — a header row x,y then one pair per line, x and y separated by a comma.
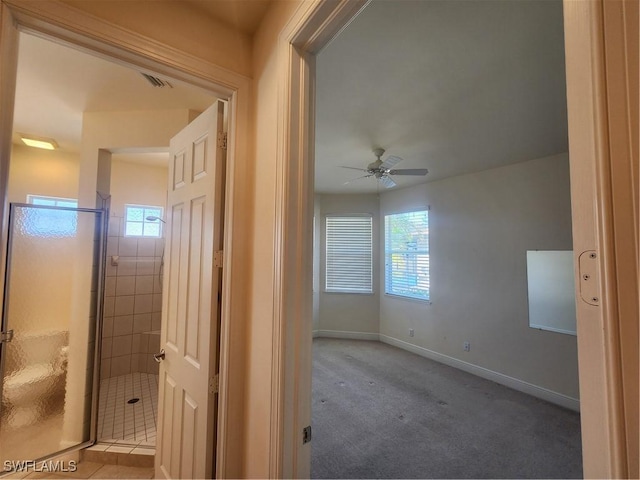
x,y
49,324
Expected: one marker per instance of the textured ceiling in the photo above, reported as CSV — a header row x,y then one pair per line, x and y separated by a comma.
x,y
453,86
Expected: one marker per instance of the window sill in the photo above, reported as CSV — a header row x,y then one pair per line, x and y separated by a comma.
x,y
409,299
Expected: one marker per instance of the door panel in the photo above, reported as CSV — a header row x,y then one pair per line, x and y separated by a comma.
x,y
190,314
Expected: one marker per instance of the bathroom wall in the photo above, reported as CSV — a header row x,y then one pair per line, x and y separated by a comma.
x,y
133,285
53,173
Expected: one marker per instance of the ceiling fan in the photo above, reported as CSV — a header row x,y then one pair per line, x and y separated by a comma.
x,y
382,170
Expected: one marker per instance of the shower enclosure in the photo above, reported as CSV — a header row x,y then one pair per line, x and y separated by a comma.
x,y
49,323
128,399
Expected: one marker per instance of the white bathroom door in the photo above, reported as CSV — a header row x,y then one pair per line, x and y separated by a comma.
x,y
190,314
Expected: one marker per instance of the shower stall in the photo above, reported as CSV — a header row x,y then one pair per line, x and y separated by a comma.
x,y
128,399
48,348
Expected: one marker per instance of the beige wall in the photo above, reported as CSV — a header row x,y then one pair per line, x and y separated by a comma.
x,y
349,312
133,183
267,64
182,26
317,230
481,226
35,171
104,132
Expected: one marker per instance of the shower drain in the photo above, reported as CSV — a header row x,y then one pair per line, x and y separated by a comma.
x,y
133,400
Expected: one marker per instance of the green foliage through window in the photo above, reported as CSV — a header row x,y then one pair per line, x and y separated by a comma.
x,y
407,254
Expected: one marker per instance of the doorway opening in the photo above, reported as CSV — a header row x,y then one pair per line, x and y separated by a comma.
x,y
456,97
101,112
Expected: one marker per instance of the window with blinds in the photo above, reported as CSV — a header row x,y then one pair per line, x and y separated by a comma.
x,y
406,252
349,254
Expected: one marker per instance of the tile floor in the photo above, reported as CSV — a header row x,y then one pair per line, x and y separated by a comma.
x,y
120,422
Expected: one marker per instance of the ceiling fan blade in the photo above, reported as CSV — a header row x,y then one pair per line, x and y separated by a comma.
x,y
356,179
353,168
390,162
409,171
387,182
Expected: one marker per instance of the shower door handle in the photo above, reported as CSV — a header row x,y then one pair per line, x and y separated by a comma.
x,y
158,357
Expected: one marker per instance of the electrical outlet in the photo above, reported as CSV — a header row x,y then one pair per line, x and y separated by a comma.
x,y
466,346
411,332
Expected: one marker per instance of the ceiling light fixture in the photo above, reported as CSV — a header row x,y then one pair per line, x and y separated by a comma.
x,y
39,142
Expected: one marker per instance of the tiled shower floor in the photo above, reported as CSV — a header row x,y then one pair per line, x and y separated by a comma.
x,y
123,422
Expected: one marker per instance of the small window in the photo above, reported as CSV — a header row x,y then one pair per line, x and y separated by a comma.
x,y
142,221
349,254
52,222
52,201
407,254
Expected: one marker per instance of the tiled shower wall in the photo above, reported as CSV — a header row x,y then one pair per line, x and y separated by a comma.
x,y
133,303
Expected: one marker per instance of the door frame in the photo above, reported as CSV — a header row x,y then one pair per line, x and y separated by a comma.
x,y
600,362
64,24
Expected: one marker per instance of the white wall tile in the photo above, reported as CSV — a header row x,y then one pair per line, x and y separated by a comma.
x,y
157,302
124,305
126,285
128,247
106,348
156,321
143,304
144,284
135,343
115,224
110,286
112,246
120,365
146,247
123,325
105,368
127,266
121,346
109,306
145,266
107,327
142,323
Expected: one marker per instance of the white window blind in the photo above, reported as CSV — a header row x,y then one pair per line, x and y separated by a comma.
x,y
407,254
349,254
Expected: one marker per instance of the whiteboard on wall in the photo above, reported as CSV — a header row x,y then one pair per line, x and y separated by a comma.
x,y
552,304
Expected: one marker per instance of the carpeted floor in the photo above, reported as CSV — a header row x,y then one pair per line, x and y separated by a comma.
x,y
382,412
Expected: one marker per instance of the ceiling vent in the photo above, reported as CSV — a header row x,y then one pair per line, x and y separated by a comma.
x,y
156,82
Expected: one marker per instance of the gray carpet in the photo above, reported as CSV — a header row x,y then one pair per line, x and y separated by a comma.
x,y
382,412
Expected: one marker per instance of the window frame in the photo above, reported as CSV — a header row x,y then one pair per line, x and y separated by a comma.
x,y
345,290
387,252
56,200
144,221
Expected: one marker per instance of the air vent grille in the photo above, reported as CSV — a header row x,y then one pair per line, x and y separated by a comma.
x,y
156,82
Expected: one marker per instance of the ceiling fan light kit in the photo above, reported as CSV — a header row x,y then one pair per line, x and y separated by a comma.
x,y
382,170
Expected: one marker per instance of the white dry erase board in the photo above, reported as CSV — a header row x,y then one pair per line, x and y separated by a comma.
x,y
552,304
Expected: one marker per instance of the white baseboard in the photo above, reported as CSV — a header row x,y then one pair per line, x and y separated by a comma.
x,y
522,386
346,335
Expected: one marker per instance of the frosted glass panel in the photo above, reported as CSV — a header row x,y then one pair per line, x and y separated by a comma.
x,y
50,304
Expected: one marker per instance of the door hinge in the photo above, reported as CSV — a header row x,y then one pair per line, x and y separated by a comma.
x,y
306,434
589,278
6,337
214,384
218,258
222,140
